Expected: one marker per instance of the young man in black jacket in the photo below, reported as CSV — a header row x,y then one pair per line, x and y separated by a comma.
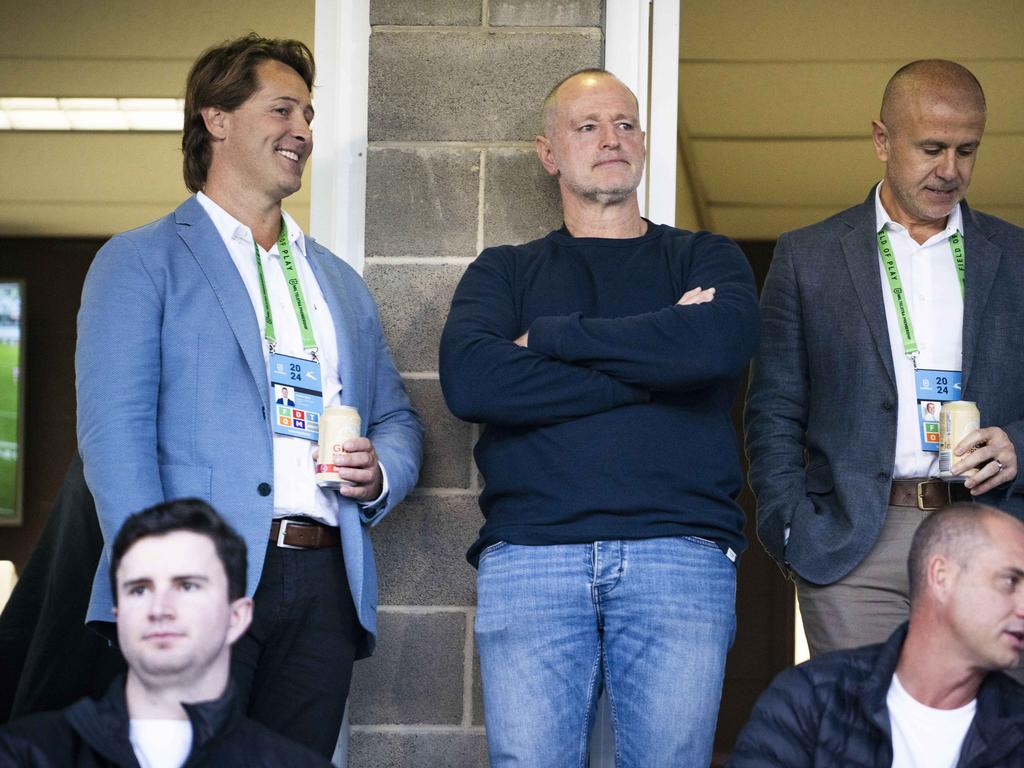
x,y
933,694
178,574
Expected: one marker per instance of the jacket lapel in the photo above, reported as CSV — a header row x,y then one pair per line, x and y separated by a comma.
x,y
200,236
861,253
346,326
982,258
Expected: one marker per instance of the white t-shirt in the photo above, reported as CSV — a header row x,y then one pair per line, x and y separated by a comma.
x,y
161,743
923,737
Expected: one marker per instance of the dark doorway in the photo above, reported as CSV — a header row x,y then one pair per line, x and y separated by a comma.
x,y
53,270
764,598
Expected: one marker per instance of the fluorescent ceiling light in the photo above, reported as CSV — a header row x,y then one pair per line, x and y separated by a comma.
x,y
97,120
28,104
38,120
96,114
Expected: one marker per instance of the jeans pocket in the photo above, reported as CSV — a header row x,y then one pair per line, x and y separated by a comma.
x,y
488,550
491,591
708,544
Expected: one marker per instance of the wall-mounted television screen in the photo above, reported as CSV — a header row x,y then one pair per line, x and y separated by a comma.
x,y
12,370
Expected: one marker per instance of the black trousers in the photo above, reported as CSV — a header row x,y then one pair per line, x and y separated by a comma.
x,y
294,665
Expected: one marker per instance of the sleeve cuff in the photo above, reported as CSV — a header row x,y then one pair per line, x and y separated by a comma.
x,y
378,503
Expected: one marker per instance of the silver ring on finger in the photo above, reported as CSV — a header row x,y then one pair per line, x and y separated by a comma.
x,y
1000,465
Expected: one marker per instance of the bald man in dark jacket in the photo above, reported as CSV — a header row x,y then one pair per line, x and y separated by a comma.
x,y
850,708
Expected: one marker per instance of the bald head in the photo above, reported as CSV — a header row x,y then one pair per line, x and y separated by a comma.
x,y
551,101
953,533
935,79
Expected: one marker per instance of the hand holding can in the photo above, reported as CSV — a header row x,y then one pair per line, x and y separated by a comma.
x,y
956,420
338,425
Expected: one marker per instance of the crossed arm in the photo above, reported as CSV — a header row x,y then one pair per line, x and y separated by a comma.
x,y
565,367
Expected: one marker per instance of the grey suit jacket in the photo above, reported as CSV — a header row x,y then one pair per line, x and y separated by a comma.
x,y
821,407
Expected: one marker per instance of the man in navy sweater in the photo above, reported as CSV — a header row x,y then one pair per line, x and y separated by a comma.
x,y
603,360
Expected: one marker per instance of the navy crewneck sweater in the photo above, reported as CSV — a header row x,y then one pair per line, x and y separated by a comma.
x,y
615,422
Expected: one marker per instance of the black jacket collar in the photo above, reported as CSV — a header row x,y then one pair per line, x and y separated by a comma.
x,y
103,723
998,726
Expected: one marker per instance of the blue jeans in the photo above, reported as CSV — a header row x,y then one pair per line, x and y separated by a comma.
x,y
649,621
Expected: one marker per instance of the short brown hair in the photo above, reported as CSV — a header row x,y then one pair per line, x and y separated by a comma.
x,y
224,76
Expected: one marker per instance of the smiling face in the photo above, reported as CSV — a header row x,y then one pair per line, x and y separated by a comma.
x,y
263,145
985,603
174,620
929,152
592,140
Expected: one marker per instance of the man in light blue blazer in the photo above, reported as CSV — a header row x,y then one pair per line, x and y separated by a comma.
x,y
837,443
183,326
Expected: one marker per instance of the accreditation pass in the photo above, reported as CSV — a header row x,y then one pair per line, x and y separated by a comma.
x,y
296,398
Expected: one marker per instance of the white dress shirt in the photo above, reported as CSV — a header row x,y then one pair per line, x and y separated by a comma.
x,y
932,293
295,490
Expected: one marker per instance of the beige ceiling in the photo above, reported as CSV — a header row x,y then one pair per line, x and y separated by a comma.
x,y
775,107
776,103
84,183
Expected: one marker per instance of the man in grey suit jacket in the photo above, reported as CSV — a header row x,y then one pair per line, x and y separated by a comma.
x,y
840,490
186,327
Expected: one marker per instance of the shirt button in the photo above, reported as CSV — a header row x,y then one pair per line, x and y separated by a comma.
x,y
883,477
887,405
263,489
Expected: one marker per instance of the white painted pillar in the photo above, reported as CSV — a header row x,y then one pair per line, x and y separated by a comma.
x,y
341,44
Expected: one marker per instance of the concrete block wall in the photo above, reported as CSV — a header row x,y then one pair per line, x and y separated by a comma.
x,y
455,94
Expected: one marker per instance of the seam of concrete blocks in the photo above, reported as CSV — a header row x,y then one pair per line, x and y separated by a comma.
x,y
493,169
487,30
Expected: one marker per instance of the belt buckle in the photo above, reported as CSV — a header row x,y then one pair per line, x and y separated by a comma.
x,y
281,533
920,497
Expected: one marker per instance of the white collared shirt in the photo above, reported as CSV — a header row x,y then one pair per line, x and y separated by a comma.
x,y
295,488
932,292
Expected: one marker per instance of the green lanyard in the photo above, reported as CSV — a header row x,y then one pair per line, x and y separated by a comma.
x,y
291,276
956,245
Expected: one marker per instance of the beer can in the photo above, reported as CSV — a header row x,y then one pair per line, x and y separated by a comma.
x,y
956,419
338,425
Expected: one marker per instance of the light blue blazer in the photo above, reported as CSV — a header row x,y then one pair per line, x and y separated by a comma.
x,y
173,392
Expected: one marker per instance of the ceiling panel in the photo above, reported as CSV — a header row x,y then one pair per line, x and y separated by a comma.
x,y
868,30
786,173
997,173
763,223
832,172
776,103
163,78
64,183
817,98
95,183
152,29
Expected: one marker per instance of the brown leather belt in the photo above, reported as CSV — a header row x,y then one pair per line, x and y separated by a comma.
x,y
927,495
291,534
